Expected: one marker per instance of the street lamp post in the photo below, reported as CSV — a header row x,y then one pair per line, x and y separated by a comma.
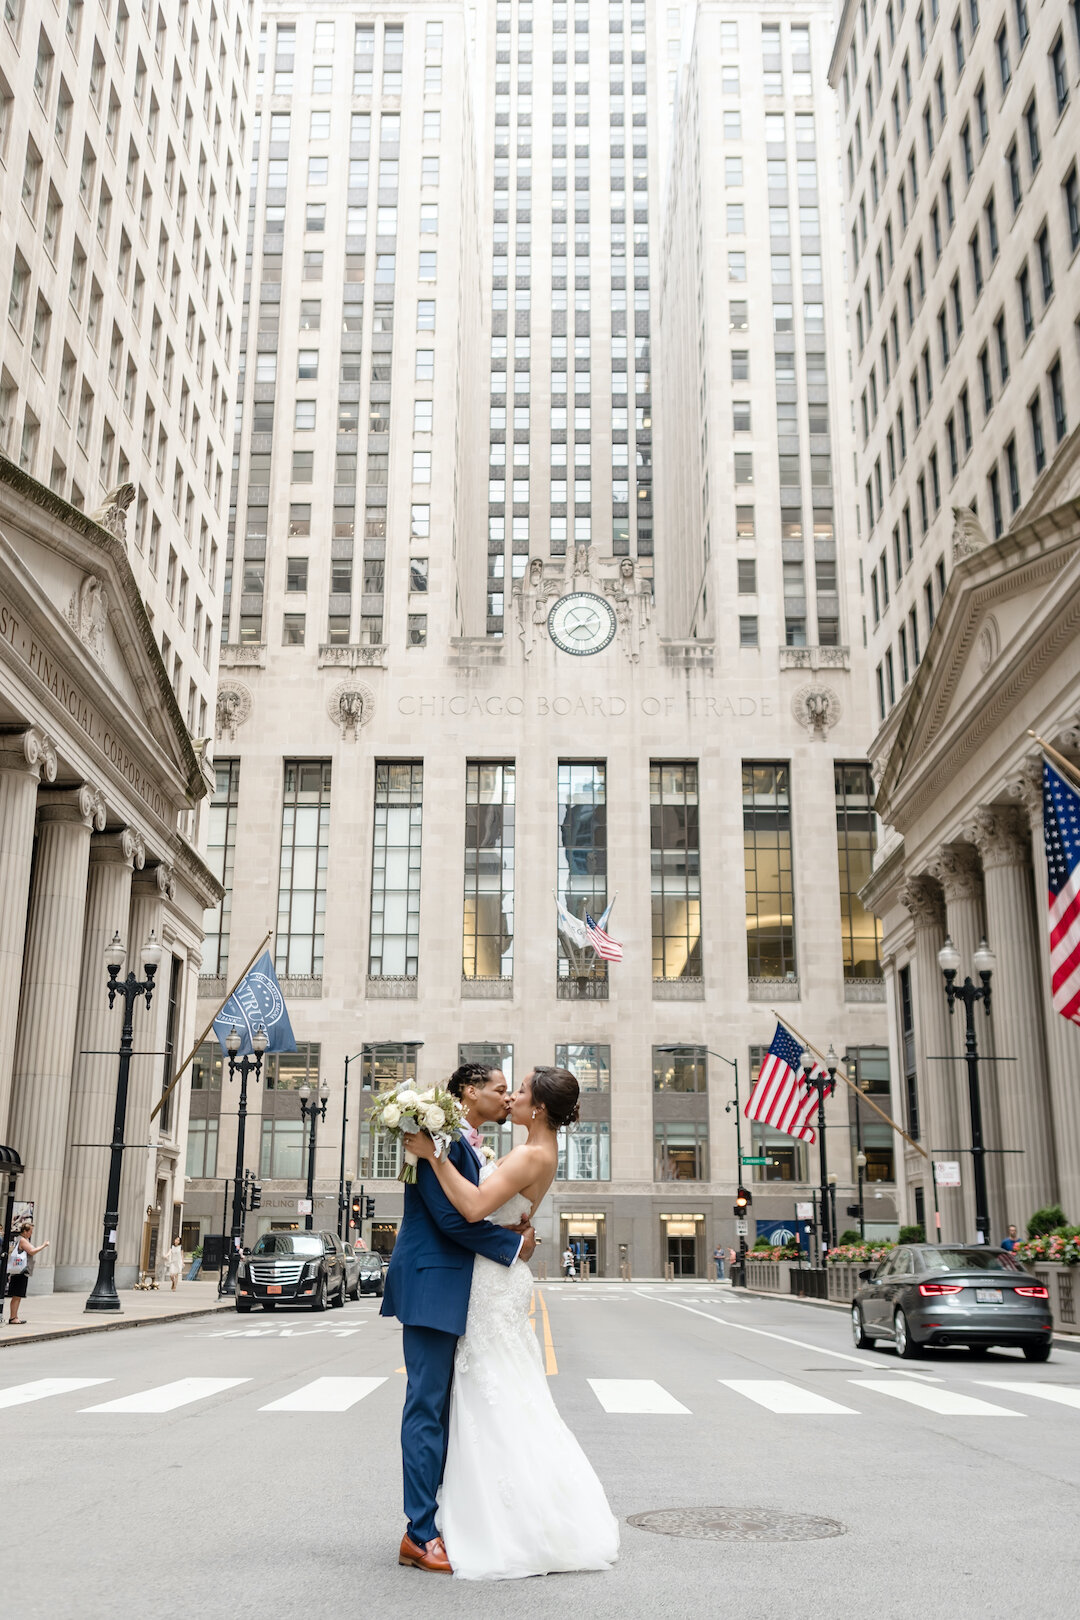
x,y
860,1157
313,1111
984,961
860,1166
822,1083
343,1203
246,1065
103,1296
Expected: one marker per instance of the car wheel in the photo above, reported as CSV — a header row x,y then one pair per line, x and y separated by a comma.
x,y
319,1301
862,1339
906,1348
339,1297
356,1290
243,1304
1038,1350
267,1304
378,1291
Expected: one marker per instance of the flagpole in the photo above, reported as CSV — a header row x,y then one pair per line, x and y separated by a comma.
x,y
870,1104
1059,759
165,1095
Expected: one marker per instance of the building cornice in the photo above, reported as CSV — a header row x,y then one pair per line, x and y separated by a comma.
x,y
844,31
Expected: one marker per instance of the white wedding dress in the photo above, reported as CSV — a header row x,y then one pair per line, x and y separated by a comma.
x,y
519,1496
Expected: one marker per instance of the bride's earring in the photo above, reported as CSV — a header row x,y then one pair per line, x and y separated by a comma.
x,y
534,1113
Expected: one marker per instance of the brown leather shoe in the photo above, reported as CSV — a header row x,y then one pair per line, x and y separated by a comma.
x,y
435,1561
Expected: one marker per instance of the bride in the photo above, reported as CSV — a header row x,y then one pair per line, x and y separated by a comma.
x,y
519,1496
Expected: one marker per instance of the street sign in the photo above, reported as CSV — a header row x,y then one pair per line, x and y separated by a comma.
x,y
757,1158
947,1172
804,1212
304,1206
741,1228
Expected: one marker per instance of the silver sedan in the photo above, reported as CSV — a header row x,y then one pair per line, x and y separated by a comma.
x,y
926,1294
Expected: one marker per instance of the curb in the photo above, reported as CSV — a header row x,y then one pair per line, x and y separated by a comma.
x,y
1062,1341
110,1327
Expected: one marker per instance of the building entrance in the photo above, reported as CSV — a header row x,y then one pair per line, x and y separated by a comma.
x,y
584,1233
383,1236
682,1243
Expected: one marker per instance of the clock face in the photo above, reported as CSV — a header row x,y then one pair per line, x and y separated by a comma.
x,y
581,623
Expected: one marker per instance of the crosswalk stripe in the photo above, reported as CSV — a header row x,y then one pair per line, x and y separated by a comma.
x,y
41,1388
325,1395
779,1396
635,1395
1064,1394
935,1398
167,1397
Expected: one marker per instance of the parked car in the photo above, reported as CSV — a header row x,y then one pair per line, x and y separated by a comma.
x,y
352,1270
372,1273
292,1268
925,1294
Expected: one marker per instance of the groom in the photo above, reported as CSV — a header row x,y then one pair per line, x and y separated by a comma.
x,y
427,1289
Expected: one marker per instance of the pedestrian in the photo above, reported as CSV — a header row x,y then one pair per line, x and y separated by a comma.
x,y
19,1267
1010,1241
718,1257
569,1268
175,1263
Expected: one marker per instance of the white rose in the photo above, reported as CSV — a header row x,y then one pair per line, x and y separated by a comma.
x,y
407,1099
428,1096
391,1115
434,1118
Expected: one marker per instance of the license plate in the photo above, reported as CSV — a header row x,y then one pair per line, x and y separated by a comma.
x,y
275,1288
988,1296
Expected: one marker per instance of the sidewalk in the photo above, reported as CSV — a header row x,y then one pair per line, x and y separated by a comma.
x,y
61,1316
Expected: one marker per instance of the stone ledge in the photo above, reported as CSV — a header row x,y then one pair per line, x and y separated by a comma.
x,y
302,987
774,990
351,656
687,989
391,988
487,989
864,990
242,655
815,657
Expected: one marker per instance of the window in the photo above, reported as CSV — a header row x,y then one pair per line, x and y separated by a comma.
x,y
220,856
907,1050
1042,242
1027,314
582,861
1057,395
748,630
770,905
676,871
282,1150
202,1146
488,930
1016,189
395,876
1013,471
585,1153
305,834
1038,440
856,842
682,1150
1031,121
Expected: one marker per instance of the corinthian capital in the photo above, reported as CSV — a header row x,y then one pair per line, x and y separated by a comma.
x,y
955,868
1028,788
923,899
1000,836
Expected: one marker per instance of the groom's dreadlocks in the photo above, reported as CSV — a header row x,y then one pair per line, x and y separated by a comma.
x,y
469,1074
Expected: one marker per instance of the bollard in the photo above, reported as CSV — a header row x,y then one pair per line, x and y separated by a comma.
x,y
669,1271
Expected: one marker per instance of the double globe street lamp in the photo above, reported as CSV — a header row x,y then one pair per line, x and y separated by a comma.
x,y
824,1084
313,1110
250,1063
103,1296
984,962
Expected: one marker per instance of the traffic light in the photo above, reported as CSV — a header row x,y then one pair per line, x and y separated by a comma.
x,y
853,1209
369,1209
356,1209
255,1201
742,1201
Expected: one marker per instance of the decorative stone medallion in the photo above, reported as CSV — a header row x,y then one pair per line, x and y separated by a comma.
x,y
233,708
816,708
350,706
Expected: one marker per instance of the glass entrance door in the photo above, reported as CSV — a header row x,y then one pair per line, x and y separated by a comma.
x,y
682,1255
582,1234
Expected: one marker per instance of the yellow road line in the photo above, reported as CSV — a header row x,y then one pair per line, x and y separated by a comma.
x,y
551,1366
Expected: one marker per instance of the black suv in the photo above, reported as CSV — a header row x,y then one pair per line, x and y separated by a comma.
x,y
372,1273
292,1268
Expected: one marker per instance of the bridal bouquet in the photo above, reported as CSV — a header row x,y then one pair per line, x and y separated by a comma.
x,y
404,1111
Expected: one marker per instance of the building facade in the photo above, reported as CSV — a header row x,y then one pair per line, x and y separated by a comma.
x,y
98,776
422,738
123,147
960,134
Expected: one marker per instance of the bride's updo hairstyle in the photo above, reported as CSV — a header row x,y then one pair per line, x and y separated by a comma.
x,y
470,1074
556,1091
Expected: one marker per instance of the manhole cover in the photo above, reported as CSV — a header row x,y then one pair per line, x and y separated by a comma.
x,y
736,1524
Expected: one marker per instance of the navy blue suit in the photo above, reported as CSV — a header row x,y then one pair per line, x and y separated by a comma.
x,y
427,1289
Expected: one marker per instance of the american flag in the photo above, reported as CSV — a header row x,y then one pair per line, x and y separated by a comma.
x,y
1061,834
608,949
780,1098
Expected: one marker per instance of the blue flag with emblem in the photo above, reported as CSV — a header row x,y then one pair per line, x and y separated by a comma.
x,y
257,1001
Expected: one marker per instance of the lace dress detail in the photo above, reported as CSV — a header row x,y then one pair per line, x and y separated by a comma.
x,y
519,1496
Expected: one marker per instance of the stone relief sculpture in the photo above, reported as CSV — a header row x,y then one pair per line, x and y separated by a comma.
x,y
112,514
533,595
233,708
816,708
350,706
631,596
968,535
88,614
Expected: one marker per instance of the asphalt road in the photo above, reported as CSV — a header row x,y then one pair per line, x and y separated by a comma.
x,y
220,1508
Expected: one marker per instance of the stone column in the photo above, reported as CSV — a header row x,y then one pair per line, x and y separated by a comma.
x,y
49,1005
1061,1037
939,1116
956,869
149,893
1023,1093
94,1070
24,761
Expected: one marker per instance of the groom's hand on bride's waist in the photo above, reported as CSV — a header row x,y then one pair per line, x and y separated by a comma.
x,y
528,1243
